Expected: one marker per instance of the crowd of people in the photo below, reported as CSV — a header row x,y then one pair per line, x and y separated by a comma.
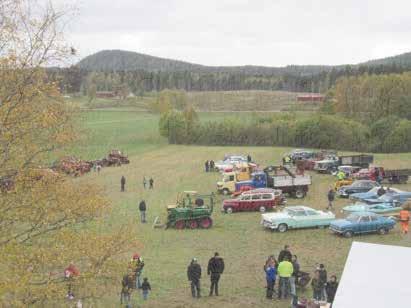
x,y
133,280
287,269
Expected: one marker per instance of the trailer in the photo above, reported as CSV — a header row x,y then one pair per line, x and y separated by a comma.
x,y
398,176
361,160
393,176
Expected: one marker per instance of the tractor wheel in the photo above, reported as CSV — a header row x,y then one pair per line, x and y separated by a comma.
x,y
180,225
299,193
206,223
193,224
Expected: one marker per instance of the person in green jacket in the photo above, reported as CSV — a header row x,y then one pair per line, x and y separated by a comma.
x,y
340,175
285,270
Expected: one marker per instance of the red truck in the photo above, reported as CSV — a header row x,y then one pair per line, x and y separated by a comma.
x,y
395,176
261,199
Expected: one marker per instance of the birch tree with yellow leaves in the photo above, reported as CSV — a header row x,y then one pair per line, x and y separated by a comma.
x,y
47,221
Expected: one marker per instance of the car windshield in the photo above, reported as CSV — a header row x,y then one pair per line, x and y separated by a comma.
x,y
353,218
295,212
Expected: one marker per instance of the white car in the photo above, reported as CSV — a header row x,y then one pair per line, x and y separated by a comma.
x,y
296,217
222,165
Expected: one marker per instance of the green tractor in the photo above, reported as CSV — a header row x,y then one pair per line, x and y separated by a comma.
x,y
191,211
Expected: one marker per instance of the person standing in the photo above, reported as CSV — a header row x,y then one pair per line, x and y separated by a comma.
x,y
294,276
214,269
98,169
270,275
331,198
380,191
123,183
323,278
206,165
194,276
142,208
146,288
331,289
285,270
212,166
151,182
284,253
144,182
317,286
127,286
249,158
404,220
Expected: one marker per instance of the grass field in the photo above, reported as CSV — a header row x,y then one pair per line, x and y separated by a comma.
x,y
239,238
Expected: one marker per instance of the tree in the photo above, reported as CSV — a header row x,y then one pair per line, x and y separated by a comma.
x,y
46,220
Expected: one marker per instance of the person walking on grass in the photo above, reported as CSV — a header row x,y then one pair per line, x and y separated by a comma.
x,y
331,198
144,182
194,276
146,288
123,183
331,289
142,208
214,269
151,182
285,270
126,287
207,165
294,276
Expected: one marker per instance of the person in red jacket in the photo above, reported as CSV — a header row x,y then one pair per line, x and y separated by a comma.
x,y
404,220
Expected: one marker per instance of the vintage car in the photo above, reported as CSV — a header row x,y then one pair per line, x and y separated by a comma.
x,y
348,170
229,162
356,187
378,208
372,194
296,217
262,199
400,197
362,222
327,165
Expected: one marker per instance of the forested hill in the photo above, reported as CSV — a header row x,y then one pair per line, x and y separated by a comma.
x,y
400,60
120,60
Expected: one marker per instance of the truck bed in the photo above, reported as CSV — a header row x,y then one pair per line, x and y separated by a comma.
x,y
287,181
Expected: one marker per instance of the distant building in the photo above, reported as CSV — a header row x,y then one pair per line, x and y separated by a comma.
x,y
376,276
106,94
312,97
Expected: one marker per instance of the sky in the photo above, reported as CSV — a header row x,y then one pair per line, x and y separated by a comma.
x,y
244,32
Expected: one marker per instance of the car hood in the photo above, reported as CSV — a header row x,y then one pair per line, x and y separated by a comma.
x,y
357,207
274,216
340,223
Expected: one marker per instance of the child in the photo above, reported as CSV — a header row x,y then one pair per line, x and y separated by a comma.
x,y
317,286
146,288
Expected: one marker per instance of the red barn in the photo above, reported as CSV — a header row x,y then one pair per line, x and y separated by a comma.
x,y
312,97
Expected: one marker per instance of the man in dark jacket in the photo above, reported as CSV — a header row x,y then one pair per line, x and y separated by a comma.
x,y
123,183
284,253
330,197
151,182
323,278
207,165
194,276
331,289
142,208
380,191
215,268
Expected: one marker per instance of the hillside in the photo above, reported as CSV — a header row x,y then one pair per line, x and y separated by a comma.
x,y
120,60
400,60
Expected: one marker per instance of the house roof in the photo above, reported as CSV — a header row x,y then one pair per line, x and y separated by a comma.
x,y
375,276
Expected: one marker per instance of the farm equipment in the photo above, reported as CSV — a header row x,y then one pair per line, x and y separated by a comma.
x,y
278,177
191,211
71,165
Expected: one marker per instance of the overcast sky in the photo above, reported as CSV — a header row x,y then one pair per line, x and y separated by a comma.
x,y
240,32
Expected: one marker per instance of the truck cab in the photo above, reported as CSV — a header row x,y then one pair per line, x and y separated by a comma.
x,y
257,180
227,184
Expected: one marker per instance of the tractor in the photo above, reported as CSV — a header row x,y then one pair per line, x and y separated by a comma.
x,y
191,211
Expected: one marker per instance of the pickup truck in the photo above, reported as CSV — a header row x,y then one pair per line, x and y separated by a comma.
x,y
395,176
290,183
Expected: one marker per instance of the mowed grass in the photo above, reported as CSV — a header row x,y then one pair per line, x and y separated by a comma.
x,y
239,237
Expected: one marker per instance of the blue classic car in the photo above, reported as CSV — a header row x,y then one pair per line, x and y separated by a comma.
x,y
378,208
371,194
362,222
400,197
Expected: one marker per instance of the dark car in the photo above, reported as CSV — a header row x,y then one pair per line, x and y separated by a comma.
x,y
359,186
362,222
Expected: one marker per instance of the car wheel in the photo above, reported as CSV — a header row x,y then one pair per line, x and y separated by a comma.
x,y
229,210
225,191
262,209
348,234
299,193
382,231
282,228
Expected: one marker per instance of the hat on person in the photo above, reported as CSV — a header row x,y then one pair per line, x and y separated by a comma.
x,y
136,256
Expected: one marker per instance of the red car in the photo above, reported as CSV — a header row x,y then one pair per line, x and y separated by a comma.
x,y
261,199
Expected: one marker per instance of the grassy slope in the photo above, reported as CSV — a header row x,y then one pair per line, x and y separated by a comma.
x,y
238,237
